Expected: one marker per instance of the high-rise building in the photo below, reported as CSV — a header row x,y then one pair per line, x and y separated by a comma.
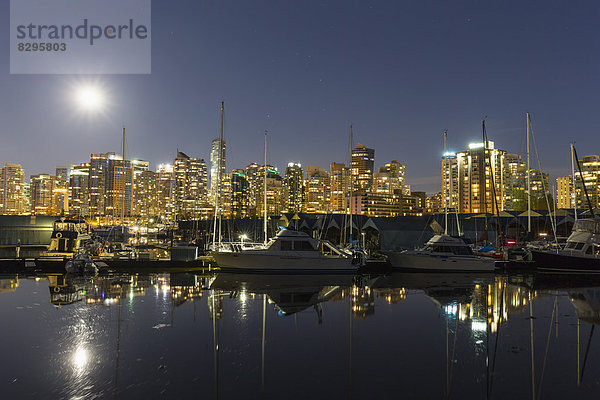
x,y
190,186
274,191
79,195
42,194
145,195
254,197
363,163
339,181
97,182
118,189
62,176
539,185
292,186
392,179
166,192
12,190
217,163
467,179
317,192
238,197
565,195
590,169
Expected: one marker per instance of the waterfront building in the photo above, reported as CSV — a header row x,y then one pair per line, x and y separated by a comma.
x,y
191,196
376,204
391,179
539,184
363,161
79,194
217,162
293,187
97,183
62,176
118,189
590,169
42,194
239,190
12,190
565,197
317,192
145,195
274,191
340,187
165,189
467,179
254,196
139,166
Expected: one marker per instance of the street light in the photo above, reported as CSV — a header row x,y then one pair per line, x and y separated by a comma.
x,y
243,237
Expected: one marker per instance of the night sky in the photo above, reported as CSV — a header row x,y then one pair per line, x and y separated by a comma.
x,y
400,71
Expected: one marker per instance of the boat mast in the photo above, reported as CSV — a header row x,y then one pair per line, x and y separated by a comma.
x,y
528,182
450,179
265,190
218,191
124,190
574,194
351,189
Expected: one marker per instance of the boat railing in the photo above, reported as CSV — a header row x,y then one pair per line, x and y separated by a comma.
x,y
327,244
235,246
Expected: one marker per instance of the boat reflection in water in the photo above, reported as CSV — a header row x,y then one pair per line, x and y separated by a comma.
x,y
415,334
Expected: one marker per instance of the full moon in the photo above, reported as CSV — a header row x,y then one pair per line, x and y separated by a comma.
x,y
89,98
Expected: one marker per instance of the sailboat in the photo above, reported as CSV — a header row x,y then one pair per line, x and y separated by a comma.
x,y
441,253
582,251
288,251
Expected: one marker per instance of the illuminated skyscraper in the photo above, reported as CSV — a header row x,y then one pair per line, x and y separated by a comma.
x,y
217,160
79,190
166,192
590,168
145,195
12,190
467,179
62,176
317,192
274,191
564,192
339,180
363,162
118,189
97,178
292,185
238,197
254,196
190,186
42,193
391,179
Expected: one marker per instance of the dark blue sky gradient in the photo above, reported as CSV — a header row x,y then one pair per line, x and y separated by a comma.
x,y
401,72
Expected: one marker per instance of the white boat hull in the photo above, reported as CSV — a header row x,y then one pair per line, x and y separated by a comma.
x,y
427,262
255,261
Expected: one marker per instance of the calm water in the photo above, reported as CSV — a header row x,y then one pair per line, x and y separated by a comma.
x,y
263,336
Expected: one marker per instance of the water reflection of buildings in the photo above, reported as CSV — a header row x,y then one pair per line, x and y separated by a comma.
x,y
363,301
9,284
391,295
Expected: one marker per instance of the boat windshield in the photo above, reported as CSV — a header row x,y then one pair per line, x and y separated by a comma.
x,y
457,250
587,225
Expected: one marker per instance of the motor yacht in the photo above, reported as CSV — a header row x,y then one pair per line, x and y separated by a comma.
x,y
288,251
441,253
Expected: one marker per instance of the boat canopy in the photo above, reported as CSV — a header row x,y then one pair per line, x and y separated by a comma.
x,y
587,225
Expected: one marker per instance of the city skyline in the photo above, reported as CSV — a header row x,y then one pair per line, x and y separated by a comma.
x,y
400,73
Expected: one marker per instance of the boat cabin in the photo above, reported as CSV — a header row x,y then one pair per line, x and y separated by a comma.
x,y
68,235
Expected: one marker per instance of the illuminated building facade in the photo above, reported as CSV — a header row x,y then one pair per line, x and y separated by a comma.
x,y
317,192
467,179
42,194
190,186
254,195
274,191
238,198
565,197
391,179
590,169
217,161
363,162
145,195
12,190
340,186
165,189
293,187
79,194
118,189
